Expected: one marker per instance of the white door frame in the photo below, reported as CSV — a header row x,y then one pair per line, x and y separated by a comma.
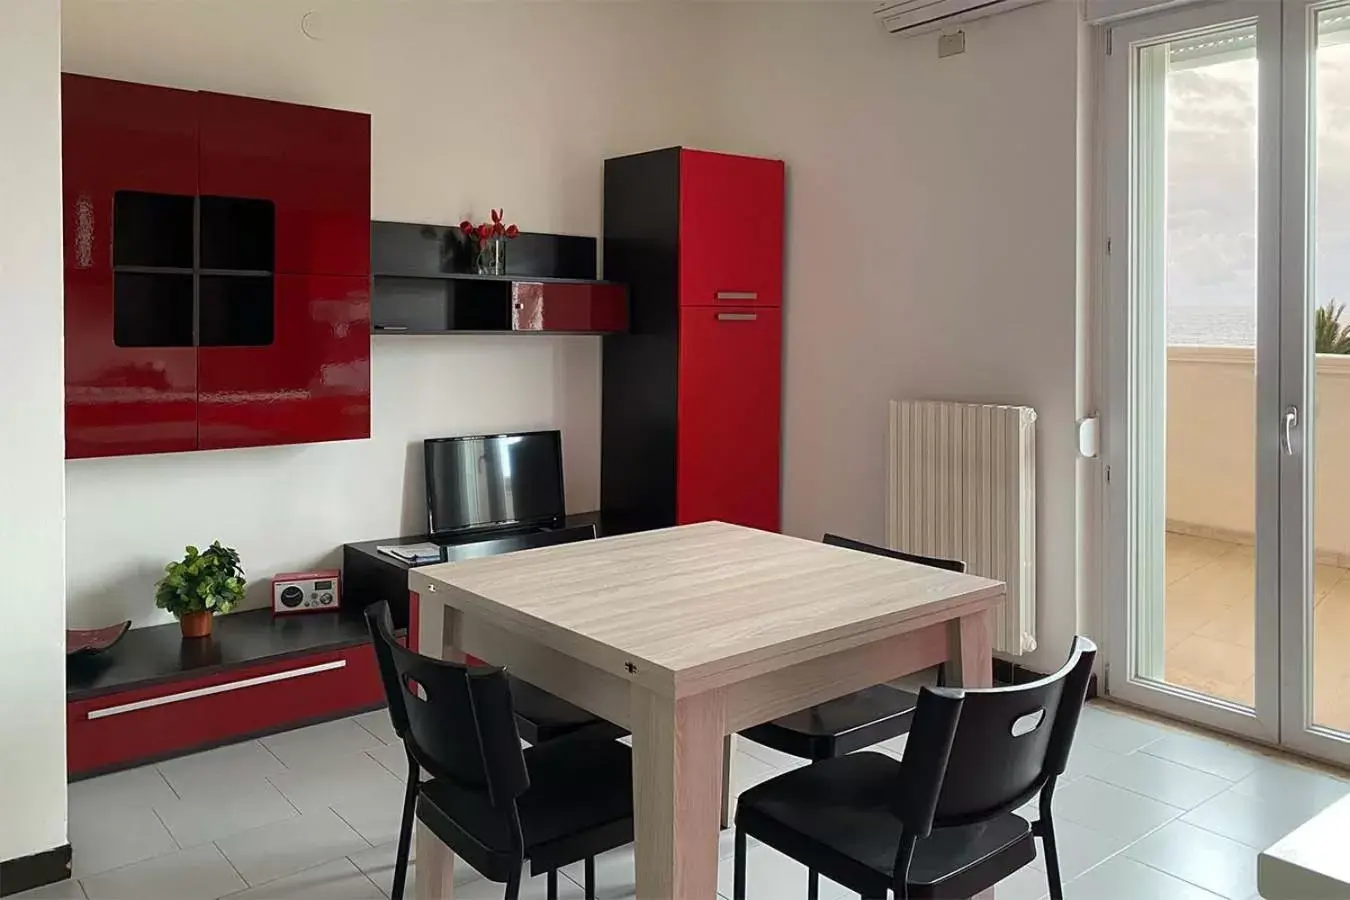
x,y
1297,378
1122,197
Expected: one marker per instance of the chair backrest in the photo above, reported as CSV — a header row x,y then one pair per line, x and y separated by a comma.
x,y
1008,742
937,562
457,721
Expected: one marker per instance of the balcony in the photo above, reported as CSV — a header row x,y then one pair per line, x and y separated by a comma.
x,y
1210,595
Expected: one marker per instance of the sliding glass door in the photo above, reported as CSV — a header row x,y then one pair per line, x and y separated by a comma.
x,y
1228,368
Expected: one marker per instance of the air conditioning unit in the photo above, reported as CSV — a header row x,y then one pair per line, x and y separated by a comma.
x,y
906,17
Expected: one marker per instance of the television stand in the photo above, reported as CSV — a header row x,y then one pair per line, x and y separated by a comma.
x,y
369,576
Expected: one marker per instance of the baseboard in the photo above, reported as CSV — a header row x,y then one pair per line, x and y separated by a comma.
x,y
1006,672
28,872
1322,556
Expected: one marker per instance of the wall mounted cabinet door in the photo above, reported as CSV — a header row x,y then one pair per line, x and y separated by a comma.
x,y
129,159
727,457
313,164
284,360
731,230
568,306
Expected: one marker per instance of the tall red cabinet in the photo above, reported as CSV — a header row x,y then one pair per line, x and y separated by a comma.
x,y
691,421
217,270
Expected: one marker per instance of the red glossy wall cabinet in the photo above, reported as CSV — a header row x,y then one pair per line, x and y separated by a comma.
x,y
690,422
131,369
200,229
318,389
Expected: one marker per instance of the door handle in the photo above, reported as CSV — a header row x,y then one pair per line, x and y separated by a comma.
x,y
1290,426
737,295
737,317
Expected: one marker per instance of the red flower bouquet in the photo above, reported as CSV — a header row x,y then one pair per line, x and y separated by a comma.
x,y
491,239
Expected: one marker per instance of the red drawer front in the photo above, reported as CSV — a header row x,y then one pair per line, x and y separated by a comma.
x,y
111,731
550,306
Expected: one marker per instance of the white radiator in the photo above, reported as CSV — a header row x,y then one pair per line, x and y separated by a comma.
x,y
963,485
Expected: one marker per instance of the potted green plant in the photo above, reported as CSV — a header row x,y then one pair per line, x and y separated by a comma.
x,y
199,586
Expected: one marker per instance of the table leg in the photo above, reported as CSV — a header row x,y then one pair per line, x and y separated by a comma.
x,y
435,867
728,780
677,793
970,651
437,628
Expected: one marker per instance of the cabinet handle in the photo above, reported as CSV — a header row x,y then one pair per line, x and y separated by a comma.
x,y
737,317
391,327
737,295
214,689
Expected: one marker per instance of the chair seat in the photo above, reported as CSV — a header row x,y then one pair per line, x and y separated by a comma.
x,y
579,803
840,726
836,817
542,717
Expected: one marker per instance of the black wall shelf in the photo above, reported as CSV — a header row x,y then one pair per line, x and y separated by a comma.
x,y
424,283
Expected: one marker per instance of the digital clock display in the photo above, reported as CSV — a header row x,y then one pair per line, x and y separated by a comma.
x,y
323,585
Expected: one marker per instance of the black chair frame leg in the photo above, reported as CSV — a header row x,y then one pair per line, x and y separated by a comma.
x,y
812,885
590,878
1044,828
552,884
405,831
513,885
738,867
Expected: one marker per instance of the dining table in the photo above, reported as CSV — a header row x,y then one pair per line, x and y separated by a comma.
x,y
686,635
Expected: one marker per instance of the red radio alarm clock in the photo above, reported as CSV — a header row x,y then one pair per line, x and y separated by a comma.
x,y
304,592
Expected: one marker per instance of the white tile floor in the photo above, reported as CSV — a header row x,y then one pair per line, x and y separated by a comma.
x,y
1146,811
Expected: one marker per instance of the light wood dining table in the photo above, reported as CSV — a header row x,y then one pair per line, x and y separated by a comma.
x,y
686,635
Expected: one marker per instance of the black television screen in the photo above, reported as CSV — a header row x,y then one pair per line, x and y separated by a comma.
x,y
494,480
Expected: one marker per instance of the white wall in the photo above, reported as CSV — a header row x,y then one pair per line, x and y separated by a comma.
x,y
933,246
474,105
32,614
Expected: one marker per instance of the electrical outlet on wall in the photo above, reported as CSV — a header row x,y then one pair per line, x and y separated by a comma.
x,y
951,44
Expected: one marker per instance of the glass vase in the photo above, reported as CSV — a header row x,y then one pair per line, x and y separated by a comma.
x,y
492,256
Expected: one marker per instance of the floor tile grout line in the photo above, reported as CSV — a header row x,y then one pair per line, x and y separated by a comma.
x,y
1115,853
247,884
167,829
163,778
383,742
1214,894
1231,781
279,760
357,830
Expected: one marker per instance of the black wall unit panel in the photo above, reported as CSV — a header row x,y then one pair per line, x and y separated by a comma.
x,y
411,249
640,370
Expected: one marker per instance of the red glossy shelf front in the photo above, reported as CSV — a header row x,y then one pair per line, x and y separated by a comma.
x,y
566,306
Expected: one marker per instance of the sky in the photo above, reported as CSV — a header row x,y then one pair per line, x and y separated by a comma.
x,y
1211,195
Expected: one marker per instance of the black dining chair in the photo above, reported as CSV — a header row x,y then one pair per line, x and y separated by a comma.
x,y
540,716
856,720
940,822
490,801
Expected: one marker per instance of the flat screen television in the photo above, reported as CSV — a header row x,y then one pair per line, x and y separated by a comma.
x,y
494,481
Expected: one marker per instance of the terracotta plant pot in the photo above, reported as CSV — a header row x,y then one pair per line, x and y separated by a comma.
x,y
196,625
